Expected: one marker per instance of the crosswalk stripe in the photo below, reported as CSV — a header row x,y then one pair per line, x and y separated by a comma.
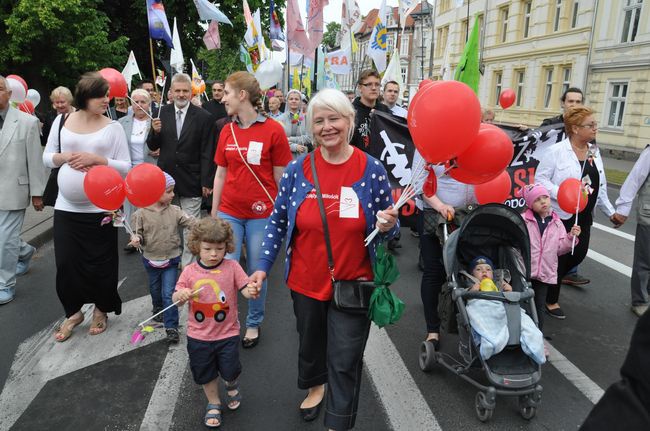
x,y
403,403
613,231
580,380
610,263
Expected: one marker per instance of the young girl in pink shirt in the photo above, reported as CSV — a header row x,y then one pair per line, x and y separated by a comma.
x,y
210,286
548,240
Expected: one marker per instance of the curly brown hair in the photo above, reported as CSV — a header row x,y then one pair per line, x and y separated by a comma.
x,y
212,231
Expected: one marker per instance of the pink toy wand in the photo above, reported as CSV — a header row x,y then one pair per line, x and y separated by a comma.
x,y
139,333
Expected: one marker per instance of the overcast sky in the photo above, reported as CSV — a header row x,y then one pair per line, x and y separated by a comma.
x,y
333,9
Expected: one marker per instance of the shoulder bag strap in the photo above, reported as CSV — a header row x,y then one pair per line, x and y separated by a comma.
x,y
61,123
232,131
323,216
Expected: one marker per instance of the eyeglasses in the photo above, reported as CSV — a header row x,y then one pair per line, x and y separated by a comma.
x,y
592,126
371,85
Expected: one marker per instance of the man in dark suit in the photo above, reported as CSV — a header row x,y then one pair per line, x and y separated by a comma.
x,y
183,133
214,106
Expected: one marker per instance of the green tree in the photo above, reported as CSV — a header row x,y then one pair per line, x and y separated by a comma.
x,y
330,37
52,42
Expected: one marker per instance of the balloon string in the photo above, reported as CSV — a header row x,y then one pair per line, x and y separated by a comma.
x,y
139,107
582,172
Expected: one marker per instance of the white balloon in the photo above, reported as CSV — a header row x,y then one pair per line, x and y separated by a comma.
x,y
34,97
18,92
269,73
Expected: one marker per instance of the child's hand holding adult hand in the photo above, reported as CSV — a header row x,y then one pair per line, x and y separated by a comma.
x,y
252,290
575,230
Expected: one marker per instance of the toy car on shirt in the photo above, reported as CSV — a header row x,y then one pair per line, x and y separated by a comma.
x,y
217,310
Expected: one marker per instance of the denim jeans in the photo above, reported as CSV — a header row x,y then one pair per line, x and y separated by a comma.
x,y
162,282
251,230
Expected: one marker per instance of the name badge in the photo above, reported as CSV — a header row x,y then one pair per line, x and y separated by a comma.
x,y
254,153
349,204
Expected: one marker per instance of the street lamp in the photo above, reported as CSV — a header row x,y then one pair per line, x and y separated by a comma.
x,y
421,15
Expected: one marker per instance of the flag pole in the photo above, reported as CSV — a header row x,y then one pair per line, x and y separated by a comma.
x,y
153,67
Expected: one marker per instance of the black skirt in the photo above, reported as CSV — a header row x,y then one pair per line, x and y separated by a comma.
x,y
86,262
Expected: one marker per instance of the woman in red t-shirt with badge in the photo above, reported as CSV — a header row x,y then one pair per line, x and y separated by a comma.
x,y
251,155
356,195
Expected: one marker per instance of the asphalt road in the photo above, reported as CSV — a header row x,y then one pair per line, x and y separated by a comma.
x,y
103,383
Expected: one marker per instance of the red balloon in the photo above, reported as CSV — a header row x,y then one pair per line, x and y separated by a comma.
x,y
490,153
468,177
430,184
572,195
145,184
496,190
425,83
444,120
116,82
507,98
19,79
104,187
27,106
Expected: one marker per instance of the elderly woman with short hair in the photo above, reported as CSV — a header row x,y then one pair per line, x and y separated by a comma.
x,y
61,98
356,193
574,157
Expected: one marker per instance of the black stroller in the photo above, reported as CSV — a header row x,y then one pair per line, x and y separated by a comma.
x,y
500,233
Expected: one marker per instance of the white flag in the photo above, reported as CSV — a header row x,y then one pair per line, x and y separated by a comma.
x,y
131,69
339,61
176,59
405,8
378,44
394,71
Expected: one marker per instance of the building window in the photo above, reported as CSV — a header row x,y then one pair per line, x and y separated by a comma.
x,y
441,43
498,82
574,14
520,87
616,104
404,45
526,23
480,27
558,15
548,87
389,44
464,32
631,14
404,71
566,79
503,24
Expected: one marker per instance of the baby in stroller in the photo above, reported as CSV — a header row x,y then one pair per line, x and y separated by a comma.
x,y
488,318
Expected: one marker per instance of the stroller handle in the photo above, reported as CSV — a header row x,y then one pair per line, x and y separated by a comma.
x,y
511,297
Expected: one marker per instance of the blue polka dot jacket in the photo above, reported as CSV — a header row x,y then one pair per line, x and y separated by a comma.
x,y
373,191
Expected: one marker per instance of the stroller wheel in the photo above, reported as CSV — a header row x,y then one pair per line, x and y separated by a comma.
x,y
527,407
483,409
427,356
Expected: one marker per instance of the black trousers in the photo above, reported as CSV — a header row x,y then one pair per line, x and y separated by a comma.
x,y
540,289
331,345
433,277
568,261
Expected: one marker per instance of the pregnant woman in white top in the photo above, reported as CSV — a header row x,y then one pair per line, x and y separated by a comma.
x,y
85,251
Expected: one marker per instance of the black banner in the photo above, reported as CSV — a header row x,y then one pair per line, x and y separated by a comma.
x,y
391,143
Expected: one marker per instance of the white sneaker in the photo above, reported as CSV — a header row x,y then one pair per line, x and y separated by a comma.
x,y
23,264
639,309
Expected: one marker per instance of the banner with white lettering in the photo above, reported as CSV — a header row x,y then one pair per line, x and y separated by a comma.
x,y
391,143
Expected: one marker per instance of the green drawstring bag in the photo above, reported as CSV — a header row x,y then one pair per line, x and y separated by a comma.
x,y
385,307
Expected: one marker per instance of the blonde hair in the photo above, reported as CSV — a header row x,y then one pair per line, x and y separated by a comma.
x,y
332,100
212,231
61,92
247,82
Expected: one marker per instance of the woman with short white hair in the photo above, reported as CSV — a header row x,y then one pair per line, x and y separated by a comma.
x,y
356,192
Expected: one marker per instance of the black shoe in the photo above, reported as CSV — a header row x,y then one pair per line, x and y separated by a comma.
x,y
160,317
129,248
311,413
172,335
394,244
575,280
556,313
249,343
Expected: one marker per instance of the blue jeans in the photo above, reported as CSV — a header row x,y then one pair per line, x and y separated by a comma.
x,y
253,231
162,282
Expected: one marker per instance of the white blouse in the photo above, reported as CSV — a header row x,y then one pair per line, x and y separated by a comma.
x,y
109,142
138,138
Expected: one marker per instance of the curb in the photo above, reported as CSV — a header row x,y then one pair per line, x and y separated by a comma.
x,y
39,234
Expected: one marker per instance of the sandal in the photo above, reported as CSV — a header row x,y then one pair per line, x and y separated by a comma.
x,y
63,332
212,416
232,401
99,324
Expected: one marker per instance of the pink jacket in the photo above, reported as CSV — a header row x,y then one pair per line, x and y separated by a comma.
x,y
544,250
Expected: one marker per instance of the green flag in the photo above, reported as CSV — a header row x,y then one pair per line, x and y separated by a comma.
x,y
468,70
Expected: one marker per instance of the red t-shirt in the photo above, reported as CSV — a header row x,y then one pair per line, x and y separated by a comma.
x,y
263,145
309,274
